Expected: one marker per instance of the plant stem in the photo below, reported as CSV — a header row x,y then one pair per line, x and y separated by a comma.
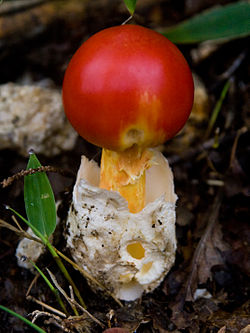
x,y
65,272
34,326
52,288
54,255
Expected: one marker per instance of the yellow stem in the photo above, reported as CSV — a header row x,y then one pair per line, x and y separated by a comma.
x,y
124,172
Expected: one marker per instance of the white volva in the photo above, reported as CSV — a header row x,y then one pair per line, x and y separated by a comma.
x,y
128,253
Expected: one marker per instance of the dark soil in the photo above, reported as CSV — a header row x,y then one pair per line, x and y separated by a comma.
x,y
212,183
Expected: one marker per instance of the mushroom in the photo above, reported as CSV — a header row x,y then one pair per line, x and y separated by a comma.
x,y
127,89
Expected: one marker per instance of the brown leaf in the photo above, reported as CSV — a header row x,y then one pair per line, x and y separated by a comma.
x,y
234,321
209,251
129,317
212,254
245,329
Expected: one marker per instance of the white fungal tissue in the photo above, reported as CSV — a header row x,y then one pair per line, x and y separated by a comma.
x,y
128,253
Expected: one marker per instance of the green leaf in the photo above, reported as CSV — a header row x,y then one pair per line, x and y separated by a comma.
x,y
130,4
227,22
39,199
34,326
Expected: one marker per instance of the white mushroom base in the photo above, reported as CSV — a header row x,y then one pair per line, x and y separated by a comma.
x,y
128,253
29,249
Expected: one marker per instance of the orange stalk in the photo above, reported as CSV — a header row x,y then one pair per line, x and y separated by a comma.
x,y
124,172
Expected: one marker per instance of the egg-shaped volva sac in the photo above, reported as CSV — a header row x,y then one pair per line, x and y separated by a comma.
x,y
127,253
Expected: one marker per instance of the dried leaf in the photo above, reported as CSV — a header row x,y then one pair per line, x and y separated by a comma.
x,y
234,321
245,329
129,317
209,250
212,254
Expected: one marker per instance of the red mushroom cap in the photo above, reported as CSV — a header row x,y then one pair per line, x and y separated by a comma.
x,y
127,85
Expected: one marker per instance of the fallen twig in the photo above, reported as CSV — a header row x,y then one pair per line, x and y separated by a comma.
x,y
235,144
72,301
46,306
21,232
23,173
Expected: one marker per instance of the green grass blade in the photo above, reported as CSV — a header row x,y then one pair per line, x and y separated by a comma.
x,y
225,22
52,288
43,238
53,253
130,4
43,276
39,199
28,322
217,108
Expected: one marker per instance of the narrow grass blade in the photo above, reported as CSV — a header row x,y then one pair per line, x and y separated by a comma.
x,y
43,238
225,22
52,288
39,199
28,322
217,109
130,4
53,253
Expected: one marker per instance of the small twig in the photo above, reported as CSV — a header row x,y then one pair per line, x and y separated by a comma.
x,y
9,226
215,182
72,297
21,232
32,284
71,293
211,165
72,301
235,65
127,20
36,314
53,319
59,324
23,173
62,291
18,225
235,144
24,234
46,306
